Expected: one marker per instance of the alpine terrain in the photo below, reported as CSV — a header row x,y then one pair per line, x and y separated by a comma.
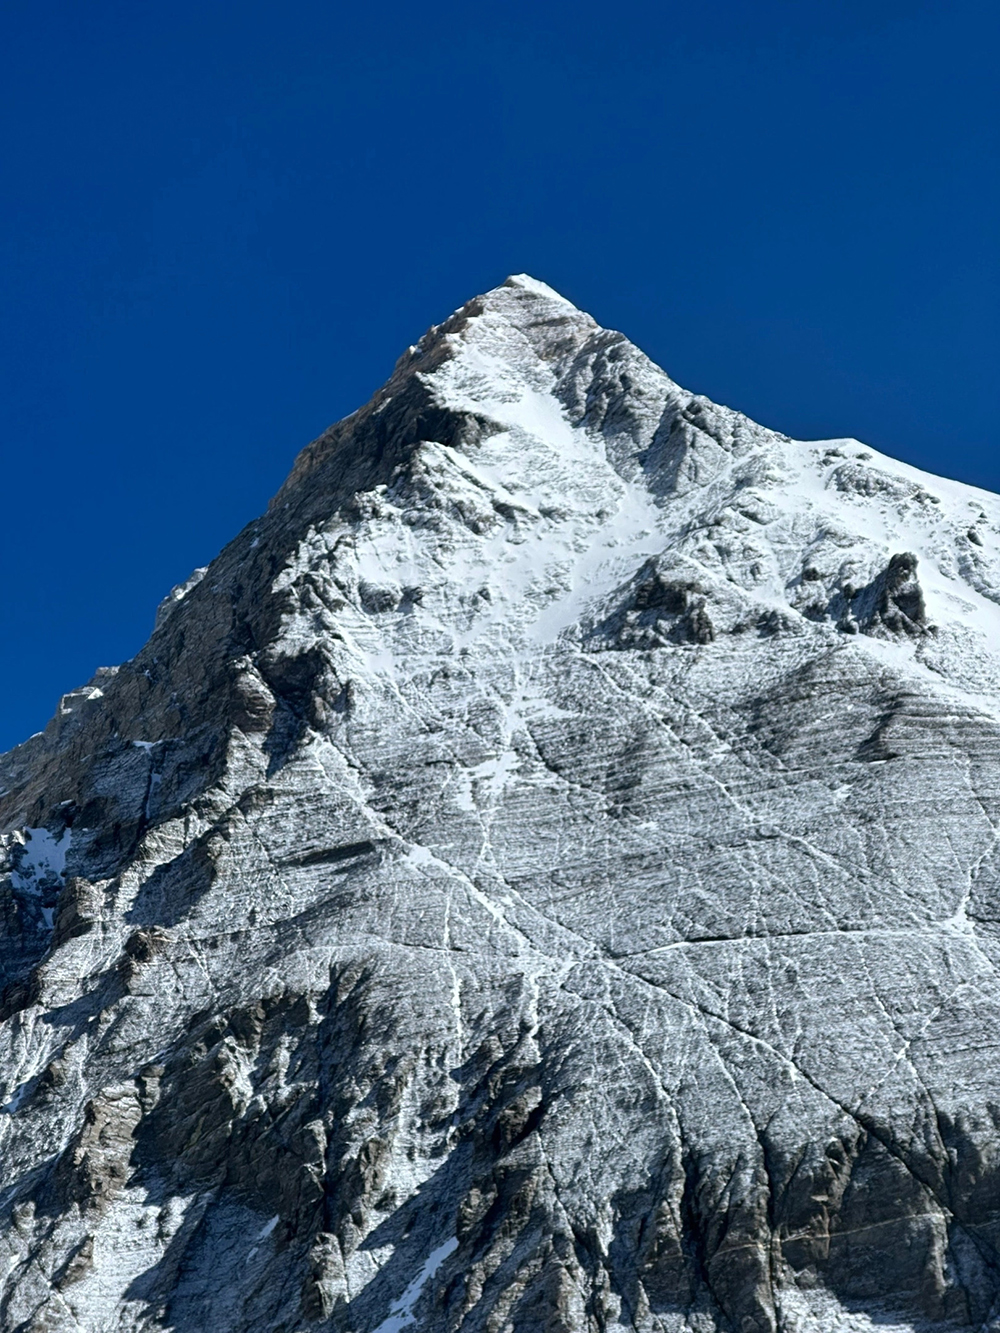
x,y
542,877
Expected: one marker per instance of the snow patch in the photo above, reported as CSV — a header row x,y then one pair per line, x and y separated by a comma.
x,y
488,779
401,1314
44,858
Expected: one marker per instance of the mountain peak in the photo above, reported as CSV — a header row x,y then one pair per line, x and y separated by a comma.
x,y
524,282
520,394
542,873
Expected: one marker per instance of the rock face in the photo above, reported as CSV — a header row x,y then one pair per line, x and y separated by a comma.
x,y
543,875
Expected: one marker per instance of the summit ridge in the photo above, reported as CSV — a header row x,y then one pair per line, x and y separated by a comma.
x,y
542,874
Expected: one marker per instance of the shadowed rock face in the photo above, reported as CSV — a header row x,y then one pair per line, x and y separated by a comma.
x,y
541,876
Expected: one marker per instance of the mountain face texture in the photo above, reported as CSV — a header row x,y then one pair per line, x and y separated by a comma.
x,y
543,877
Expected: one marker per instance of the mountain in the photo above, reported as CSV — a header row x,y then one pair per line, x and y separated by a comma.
x,y
541,876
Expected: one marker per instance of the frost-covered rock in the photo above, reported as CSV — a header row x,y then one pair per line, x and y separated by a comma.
x,y
544,875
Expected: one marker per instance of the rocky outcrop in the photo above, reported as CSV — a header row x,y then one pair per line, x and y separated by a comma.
x,y
542,875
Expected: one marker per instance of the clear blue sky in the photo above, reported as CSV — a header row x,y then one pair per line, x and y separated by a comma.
x,y
221,223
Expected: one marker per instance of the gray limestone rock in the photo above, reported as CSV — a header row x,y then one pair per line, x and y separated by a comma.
x,y
543,875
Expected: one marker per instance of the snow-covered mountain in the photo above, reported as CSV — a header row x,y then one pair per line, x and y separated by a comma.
x,y
543,875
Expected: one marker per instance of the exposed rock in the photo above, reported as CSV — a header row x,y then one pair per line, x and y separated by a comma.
x,y
660,607
542,876
894,600
177,594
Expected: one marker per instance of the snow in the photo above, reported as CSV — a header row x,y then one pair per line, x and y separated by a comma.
x,y
154,781
420,856
529,284
17,1100
265,1231
489,777
43,858
927,515
401,1313
578,529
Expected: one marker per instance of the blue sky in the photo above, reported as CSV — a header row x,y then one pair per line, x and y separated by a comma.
x,y
221,223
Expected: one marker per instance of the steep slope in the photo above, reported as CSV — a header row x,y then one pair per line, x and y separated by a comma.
x,y
542,875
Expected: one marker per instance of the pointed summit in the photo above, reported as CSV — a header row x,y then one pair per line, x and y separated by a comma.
x,y
543,873
524,282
